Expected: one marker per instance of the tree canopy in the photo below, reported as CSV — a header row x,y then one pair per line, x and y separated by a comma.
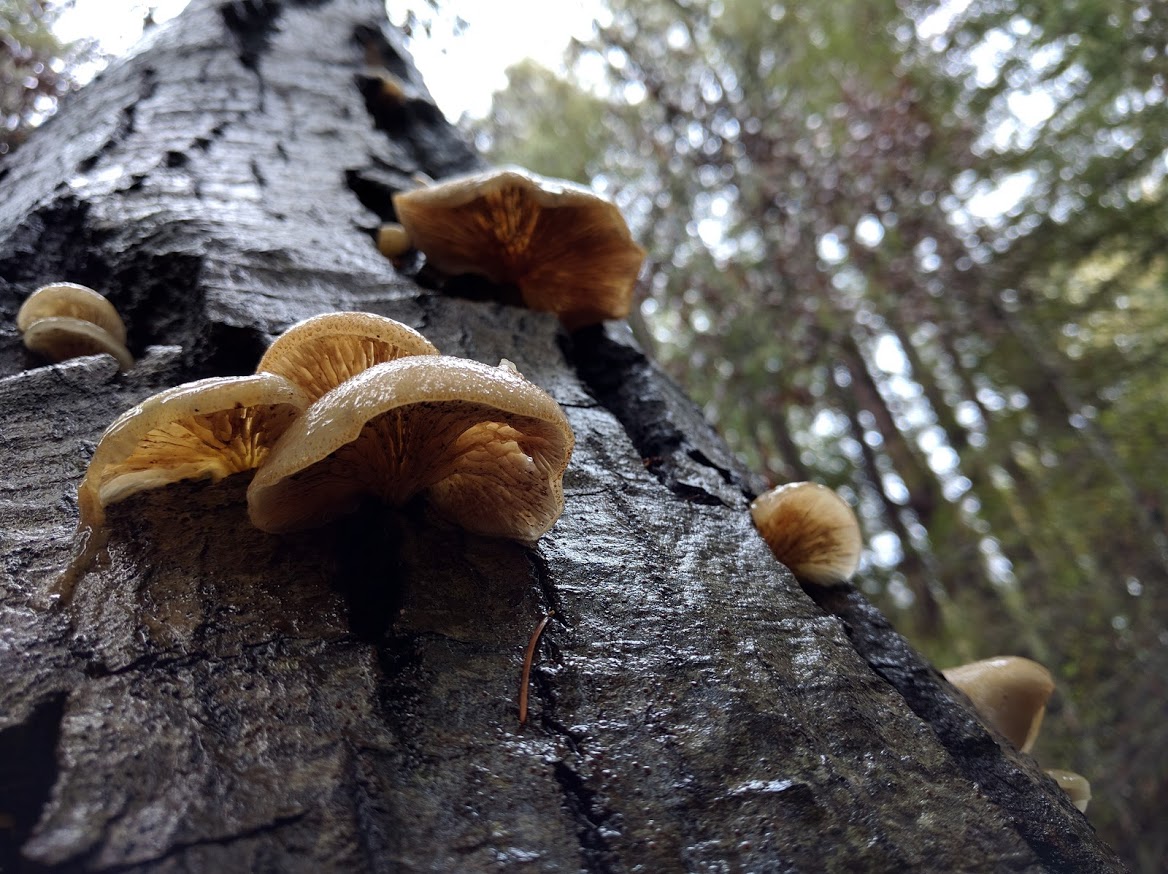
x,y
914,251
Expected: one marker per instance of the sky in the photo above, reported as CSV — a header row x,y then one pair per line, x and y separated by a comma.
x,y
498,33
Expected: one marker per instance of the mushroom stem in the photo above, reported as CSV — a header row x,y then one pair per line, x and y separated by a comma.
x,y
525,680
89,542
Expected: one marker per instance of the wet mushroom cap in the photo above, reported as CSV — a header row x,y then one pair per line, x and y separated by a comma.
x,y
566,249
59,338
210,428
1009,693
486,446
393,241
811,530
320,353
69,300
1075,785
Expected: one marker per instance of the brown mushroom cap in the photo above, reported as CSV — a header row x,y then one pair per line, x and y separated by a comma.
x,y
566,249
320,353
73,301
486,446
209,428
1075,785
811,530
59,338
1009,694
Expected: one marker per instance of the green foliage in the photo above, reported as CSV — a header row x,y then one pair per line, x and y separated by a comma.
x,y
917,254
33,67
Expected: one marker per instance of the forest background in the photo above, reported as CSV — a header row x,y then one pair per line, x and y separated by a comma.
x,y
916,252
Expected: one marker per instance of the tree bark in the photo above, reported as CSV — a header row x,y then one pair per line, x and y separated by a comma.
x,y
219,699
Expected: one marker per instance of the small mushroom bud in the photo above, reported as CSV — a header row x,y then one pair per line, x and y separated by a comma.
x,y
1009,693
320,353
487,448
65,320
567,250
1075,785
393,241
811,530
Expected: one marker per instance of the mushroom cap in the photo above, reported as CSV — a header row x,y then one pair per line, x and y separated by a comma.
x,y
320,353
393,241
811,530
486,446
1075,785
566,249
59,338
1009,694
72,301
209,428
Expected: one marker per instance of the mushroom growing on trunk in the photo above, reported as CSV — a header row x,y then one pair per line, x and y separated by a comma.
x,y
66,320
1009,694
209,429
567,250
811,530
487,447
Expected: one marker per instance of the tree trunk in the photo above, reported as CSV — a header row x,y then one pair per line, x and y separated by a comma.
x,y
219,699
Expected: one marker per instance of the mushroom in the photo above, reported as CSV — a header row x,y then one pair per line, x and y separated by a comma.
x,y
1075,785
567,250
1009,694
65,320
487,447
393,241
320,353
811,530
211,428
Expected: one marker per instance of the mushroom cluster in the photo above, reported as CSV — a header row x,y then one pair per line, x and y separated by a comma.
x,y
811,530
1010,694
345,405
565,249
65,320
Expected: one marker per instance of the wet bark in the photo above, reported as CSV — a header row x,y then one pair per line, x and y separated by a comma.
x,y
221,699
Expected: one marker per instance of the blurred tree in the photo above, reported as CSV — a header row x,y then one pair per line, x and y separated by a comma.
x,y
915,251
34,67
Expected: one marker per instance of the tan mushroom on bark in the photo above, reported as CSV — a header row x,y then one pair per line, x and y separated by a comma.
x,y
1075,785
811,530
320,353
210,429
567,250
486,447
1009,694
65,320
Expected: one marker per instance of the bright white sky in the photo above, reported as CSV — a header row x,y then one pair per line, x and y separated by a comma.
x,y
499,33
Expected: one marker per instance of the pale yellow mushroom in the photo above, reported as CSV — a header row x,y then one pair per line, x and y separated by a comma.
x,y
1009,694
1075,785
485,446
207,429
811,530
567,250
320,353
65,320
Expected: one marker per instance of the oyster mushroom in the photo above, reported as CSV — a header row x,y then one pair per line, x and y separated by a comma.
x,y
486,447
211,429
1075,785
320,353
567,250
811,530
1009,694
65,320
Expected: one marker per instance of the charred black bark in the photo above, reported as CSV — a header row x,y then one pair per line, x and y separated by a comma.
x,y
222,699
